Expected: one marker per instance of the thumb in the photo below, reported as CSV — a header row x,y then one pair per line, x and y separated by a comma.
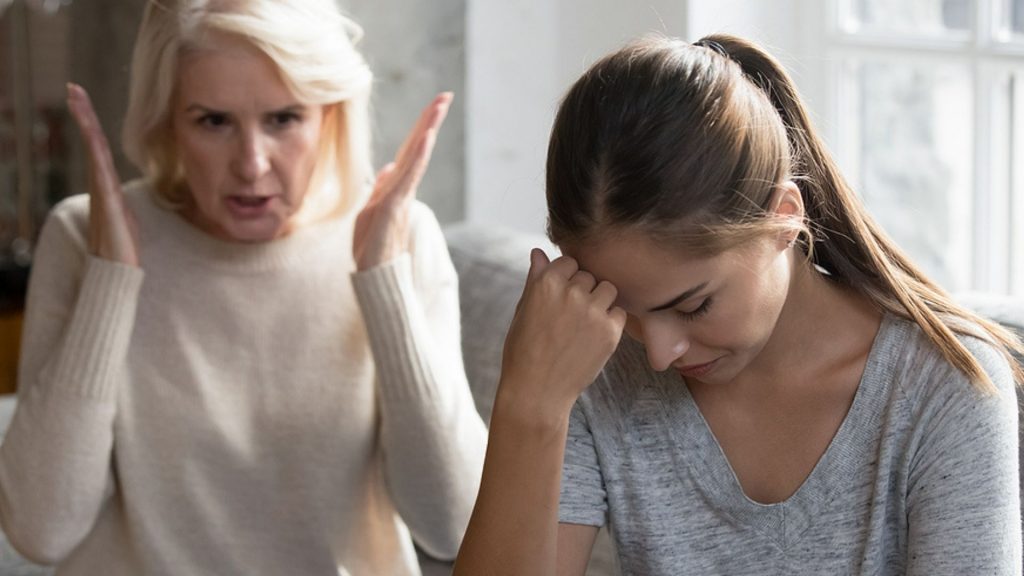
x,y
379,181
538,262
385,170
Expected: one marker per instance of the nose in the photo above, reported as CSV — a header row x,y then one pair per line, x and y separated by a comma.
x,y
664,340
252,159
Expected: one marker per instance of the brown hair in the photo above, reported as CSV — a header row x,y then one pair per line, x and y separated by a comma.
x,y
687,143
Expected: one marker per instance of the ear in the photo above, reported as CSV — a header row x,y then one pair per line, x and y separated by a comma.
x,y
788,203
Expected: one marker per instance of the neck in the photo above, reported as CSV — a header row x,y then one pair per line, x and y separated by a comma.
x,y
822,326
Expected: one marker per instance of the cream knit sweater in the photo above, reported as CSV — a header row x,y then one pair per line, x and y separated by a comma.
x,y
239,408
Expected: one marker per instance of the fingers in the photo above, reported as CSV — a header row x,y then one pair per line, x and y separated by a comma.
x,y
414,156
112,229
538,262
101,160
413,163
567,270
430,118
605,294
380,185
564,267
618,317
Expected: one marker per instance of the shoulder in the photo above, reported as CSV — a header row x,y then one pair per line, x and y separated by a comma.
x,y
430,259
73,210
67,221
932,386
425,230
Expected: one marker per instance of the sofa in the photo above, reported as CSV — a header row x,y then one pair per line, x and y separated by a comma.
x,y
492,265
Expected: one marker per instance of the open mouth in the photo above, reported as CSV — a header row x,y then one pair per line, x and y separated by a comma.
x,y
247,207
249,201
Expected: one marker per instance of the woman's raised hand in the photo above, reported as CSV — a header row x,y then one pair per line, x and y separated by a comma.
x,y
112,228
565,328
382,228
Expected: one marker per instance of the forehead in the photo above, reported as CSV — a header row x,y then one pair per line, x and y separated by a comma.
x,y
648,273
228,73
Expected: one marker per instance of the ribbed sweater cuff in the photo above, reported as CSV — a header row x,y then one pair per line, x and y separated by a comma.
x,y
101,325
393,315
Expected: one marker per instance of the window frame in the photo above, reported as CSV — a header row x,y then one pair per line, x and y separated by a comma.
x,y
990,52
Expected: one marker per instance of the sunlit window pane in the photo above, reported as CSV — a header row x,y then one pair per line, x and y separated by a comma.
x,y
912,150
1010,25
1015,217
999,264
907,17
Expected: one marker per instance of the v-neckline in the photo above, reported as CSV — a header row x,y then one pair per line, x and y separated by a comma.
x,y
785,521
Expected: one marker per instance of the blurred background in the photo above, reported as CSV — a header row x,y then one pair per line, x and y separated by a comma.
x,y
922,102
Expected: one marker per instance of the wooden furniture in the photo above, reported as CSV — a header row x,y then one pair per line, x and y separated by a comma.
x,y
10,340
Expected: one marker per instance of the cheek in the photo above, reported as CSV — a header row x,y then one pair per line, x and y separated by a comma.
x,y
633,328
202,178
764,307
201,162
299,161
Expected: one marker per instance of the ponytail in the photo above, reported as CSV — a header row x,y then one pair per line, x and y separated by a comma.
x,y
844,240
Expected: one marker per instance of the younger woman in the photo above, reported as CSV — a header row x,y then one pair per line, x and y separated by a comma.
x,y
795,397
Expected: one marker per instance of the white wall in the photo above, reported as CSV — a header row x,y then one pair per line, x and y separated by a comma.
x,y
791,30
416,49
522,55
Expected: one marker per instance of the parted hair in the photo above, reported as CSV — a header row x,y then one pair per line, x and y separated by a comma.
x,y
311,43
688,142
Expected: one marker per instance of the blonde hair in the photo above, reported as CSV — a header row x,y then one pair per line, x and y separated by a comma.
x,y
687,142
311,43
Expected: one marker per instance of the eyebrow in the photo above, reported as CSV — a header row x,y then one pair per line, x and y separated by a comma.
x,y
289,108
684,296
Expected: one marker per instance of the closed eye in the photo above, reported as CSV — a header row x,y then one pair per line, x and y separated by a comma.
x,y
696,312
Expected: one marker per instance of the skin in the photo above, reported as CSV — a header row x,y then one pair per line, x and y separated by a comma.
x,y
779,388
244,138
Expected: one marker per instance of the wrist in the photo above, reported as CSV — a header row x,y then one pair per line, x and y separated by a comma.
x,y
382,253
532,413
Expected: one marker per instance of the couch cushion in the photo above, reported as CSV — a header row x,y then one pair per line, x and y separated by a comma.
x,y
492,264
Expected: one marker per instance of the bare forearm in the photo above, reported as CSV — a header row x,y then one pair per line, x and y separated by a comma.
x,y
514,526
565,328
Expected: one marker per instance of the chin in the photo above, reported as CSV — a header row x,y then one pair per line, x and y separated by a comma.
x,y
254,233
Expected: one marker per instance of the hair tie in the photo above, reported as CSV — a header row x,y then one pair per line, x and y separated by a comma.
x,y
713,45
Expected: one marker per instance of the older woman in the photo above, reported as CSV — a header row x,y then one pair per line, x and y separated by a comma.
x,y
247,362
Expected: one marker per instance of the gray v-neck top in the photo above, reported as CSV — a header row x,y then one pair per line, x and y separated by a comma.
x,y
921,477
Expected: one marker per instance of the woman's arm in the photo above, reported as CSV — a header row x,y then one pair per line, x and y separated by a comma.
x,y
963,501
56,457
515,528
565,329
433,439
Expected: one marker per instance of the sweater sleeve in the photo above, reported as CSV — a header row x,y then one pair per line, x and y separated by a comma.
x,y
55,461
963,501
432,436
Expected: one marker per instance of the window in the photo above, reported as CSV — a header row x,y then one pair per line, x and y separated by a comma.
x,y
928,106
